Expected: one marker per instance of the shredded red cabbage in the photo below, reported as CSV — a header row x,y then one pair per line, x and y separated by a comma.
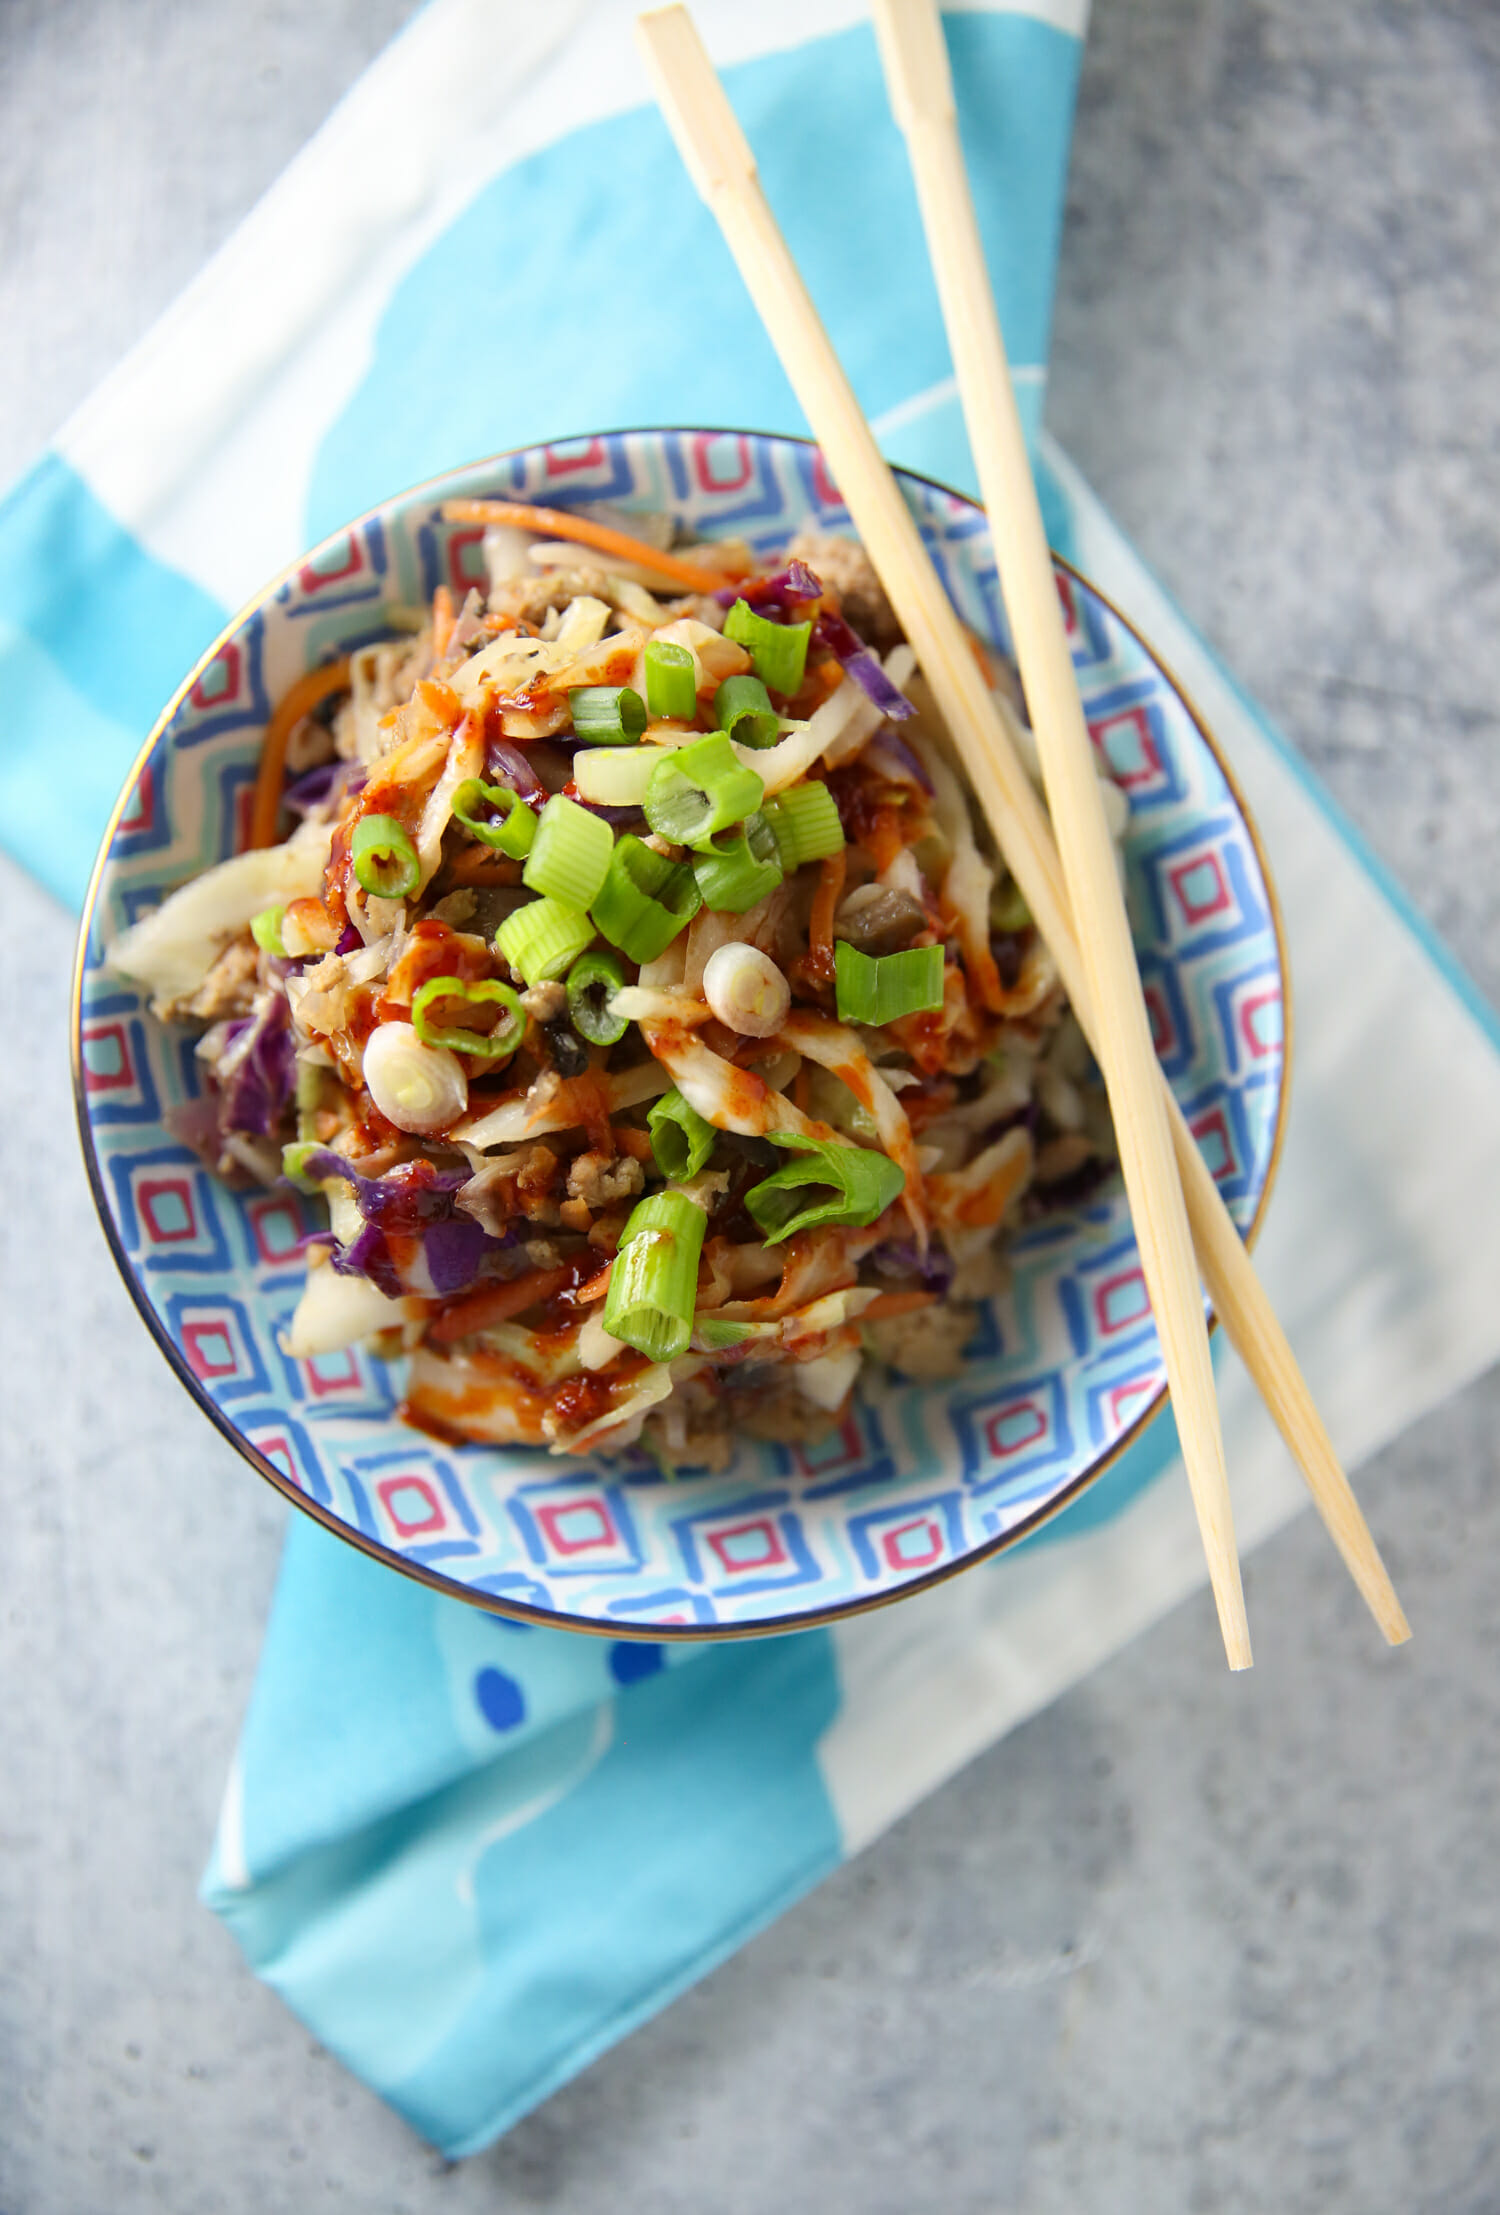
x,y
619,819
899,1258
783,597
258,1088
506,764
871,678
370,1256
833,633
892,754
407,1197
456,1251
414,1201
315,786
349,940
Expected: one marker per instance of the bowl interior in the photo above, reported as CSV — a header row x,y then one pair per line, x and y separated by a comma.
x,y
921,1479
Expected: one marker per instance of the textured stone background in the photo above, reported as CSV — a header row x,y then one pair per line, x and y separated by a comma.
x,y
1181,1942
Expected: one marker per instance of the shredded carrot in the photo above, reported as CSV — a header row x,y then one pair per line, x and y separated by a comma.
x,y
596,1287
442,622
886,836
497,1303
558,523
441,701
895,1303
831,872
299,700
628,1140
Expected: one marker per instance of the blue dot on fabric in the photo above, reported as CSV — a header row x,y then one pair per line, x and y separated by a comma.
x,y
629,1663
502,1703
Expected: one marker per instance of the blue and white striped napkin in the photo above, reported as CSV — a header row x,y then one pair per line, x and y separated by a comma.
x,y
471,1855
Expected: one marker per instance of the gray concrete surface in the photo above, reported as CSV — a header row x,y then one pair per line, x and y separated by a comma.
x,y
1180,1943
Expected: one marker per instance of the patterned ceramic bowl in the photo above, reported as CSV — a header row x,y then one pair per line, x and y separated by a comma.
x,y
923,1479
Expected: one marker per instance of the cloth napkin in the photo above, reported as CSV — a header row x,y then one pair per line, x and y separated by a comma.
x,y
468,1854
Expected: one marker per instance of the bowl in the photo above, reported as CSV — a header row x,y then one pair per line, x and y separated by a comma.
x,y
922,1480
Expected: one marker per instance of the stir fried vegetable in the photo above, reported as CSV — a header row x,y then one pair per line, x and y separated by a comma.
x,y
639,990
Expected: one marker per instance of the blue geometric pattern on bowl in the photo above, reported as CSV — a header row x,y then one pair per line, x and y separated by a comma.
x,y
921,1478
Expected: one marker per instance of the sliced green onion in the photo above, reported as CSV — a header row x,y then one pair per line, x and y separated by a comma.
x,y
681,1138
699,789
654,1281
645,900
422,1089
856,1184
671,681
294,1160
740,867
716,1336
385,860
312,1095
510,832
614,776
570,857
265,929
743,710
1008,910
607,715
544,939
778,650
593,981
746,989
492,1045
806,824
879,988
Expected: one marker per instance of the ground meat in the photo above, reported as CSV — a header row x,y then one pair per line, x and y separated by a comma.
x,y
545,1002
596,1179
767,1404
847,570
227,991
528,599
456,908
702,607
928,1344
537,1176
606,1231
691,1430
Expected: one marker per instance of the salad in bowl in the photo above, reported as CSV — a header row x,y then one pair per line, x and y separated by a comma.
x,y
638,986
575,1091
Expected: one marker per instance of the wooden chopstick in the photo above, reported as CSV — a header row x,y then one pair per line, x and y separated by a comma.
x,y
721,166
921,89
706,130
918,78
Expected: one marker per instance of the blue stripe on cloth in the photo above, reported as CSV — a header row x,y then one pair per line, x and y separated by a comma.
x,y
412,1912
556,304
437,1685
95,634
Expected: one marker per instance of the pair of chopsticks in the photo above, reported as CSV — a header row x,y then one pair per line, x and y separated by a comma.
x,y
1070,883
